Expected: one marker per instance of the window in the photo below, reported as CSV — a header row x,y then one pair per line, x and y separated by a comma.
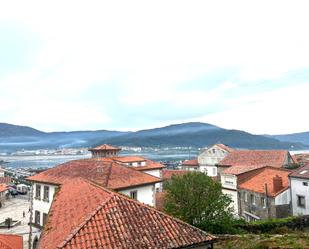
x,y
246,196
228,181
263,202
37,217
252,199
305,183
46,193
38,192
44,218
133,195
214,171
301,202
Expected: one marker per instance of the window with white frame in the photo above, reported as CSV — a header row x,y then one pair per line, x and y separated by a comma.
x,y
133,194
38,192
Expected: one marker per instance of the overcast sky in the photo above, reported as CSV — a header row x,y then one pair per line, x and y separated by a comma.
x,y
129,65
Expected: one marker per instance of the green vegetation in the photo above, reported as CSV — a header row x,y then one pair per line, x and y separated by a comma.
x,y
296,240
197,199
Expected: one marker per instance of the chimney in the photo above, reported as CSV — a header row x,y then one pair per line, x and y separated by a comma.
x,y
278,184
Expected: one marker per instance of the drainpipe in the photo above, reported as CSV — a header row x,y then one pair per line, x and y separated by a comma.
x,y
31,217
266,200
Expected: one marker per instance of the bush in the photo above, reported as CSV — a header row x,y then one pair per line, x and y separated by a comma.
x,y
270,225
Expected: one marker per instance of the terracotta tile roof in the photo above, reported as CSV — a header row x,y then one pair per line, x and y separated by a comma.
x,y
9,241
257,182
237,170
168,173
275,158
104,147
3,187
160,197
128,159
108,174
192,162
302,172
302,158
225,147
150,165
99,218
5,180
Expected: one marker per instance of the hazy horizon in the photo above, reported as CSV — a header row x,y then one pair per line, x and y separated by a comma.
x,y
138,65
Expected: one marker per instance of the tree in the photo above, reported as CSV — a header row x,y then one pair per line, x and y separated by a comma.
x,y
198,200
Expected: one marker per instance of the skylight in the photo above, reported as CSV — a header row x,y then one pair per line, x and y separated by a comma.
x,y
303,172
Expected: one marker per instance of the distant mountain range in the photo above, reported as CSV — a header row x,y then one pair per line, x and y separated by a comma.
x,y
14,137
302,137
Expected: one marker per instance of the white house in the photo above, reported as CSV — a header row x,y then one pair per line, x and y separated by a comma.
x,y
299,184
210,157
109,153
112,175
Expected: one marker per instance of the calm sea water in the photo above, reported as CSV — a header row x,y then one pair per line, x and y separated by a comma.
x,y
53,160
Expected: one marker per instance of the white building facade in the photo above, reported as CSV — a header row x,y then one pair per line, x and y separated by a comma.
x,y
299,195
210,157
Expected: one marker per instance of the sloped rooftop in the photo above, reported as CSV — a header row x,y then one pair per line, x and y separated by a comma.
x,y
9,241
258,158
106,147
256,183
85,215
108,174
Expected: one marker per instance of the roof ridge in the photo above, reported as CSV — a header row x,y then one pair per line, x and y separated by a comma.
x,y
109,171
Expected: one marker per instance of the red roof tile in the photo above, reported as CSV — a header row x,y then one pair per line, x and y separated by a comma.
x,y
9,241
105,147
99,218
302,158
192,162
302,172
150,165
225,147
168,173
5,180
108,174
237,170
275,158
3,187
257,182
